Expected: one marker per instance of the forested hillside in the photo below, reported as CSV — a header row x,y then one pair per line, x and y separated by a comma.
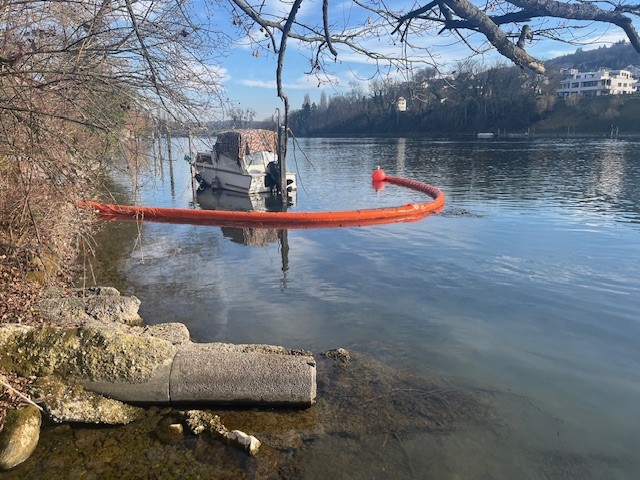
x,y
471,99
618,55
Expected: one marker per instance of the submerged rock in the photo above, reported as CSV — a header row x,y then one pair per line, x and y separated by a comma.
x,y
248,443
340,355
200,421
72,403
20,436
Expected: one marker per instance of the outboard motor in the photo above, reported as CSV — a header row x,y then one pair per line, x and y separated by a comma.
x,y
202,183
272,178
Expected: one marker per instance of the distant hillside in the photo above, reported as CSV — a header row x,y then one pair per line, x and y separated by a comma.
x,y
618,55
593,115
502,98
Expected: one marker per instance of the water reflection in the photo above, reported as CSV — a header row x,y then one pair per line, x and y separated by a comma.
x,y
527,285
209,199
401,153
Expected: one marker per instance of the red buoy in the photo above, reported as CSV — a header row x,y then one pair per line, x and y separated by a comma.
x,y
378,175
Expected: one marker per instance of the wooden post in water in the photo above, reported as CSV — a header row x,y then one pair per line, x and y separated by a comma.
x,y
171,178
192,168
282,159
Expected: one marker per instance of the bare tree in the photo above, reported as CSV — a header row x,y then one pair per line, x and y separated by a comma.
x,y
372,27
72,76
240,117
509,25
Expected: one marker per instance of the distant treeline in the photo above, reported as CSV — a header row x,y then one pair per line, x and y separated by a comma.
x,y
469,99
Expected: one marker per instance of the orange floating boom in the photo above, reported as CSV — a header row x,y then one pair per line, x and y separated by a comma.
x,y
405,213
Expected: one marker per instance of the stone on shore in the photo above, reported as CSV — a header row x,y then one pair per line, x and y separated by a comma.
x,y
20,435
102,304
92,352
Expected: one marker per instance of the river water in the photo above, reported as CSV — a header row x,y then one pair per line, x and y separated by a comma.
x,y
524,293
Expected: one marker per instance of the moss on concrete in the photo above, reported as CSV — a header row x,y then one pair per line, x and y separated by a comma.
x,y
94,353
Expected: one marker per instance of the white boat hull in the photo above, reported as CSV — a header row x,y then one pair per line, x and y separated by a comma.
x,y
238,182
243,161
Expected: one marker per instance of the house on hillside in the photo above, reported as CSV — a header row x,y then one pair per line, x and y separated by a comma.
x,y
603,81
635,71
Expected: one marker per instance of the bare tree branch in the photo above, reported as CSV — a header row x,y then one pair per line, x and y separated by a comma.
x,y
325,19
494,34
582,11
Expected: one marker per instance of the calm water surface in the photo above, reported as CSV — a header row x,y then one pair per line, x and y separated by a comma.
x,y
526,289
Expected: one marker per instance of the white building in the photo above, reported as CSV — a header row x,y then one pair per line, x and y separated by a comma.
x,y
601,82
635,71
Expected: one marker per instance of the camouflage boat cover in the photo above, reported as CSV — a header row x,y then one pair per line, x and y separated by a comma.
x,y
238,143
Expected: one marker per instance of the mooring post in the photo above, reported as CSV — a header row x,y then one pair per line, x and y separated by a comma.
x,y
283,163
192,168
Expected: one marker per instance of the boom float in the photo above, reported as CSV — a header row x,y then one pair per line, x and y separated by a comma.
x,y
406,213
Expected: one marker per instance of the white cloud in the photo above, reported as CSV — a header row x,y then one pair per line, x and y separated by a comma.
x,y
270,84
303,82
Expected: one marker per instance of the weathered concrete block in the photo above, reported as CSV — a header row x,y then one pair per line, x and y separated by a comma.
x,y
154,389
202,373
66,403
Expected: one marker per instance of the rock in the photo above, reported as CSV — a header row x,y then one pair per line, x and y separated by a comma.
x,y
169,432
176,333
20,436
341,356
103,304
91,353
176,428
72,403
199,421
245,442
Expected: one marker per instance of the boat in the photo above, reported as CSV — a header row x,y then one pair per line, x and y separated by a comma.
x,y
244,161
485,135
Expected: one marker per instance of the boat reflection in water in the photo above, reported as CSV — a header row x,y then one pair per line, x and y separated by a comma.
x,y
209,199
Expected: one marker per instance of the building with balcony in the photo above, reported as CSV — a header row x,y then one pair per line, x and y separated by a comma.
x,y
603,81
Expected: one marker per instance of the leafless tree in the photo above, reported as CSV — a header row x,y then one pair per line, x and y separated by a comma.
x,y
73,74
396,36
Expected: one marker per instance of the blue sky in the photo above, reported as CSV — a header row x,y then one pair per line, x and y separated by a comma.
x,y
250,79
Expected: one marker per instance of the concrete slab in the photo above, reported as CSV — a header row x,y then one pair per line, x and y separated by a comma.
x,y
153,390
203,373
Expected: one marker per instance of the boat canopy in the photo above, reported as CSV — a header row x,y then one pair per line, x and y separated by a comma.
x,y
239,143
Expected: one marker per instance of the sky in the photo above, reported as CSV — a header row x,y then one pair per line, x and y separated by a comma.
x,y
249,73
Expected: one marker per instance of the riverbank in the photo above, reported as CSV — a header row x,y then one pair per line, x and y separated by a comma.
x,y
102,337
